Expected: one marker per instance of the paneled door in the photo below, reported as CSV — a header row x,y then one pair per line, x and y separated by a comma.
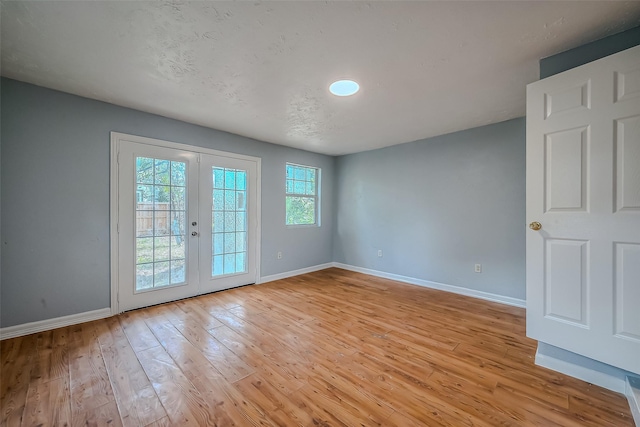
x,y
583,210
186,221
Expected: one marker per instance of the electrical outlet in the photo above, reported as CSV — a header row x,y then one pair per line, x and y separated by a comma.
x,y
380,253
279,255
478,268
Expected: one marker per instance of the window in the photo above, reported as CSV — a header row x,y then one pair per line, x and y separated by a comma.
x,y
302,195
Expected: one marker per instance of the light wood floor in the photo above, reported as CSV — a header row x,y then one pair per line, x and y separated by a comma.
x,y
324,349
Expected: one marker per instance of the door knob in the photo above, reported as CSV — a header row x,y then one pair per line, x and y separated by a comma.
x,y
535,225
194,233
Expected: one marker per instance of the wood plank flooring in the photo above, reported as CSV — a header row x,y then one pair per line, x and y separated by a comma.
x,y
331,348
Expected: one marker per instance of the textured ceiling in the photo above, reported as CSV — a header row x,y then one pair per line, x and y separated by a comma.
x,y
262,69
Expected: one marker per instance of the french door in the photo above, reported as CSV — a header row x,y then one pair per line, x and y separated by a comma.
x,y
186,221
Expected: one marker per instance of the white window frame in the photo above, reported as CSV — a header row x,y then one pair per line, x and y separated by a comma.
x,y
315,197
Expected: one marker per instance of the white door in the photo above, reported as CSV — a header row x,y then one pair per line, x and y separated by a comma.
x,y
158,199
228,197
186,221
583,188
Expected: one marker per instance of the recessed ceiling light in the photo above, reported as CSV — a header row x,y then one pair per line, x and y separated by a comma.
x,y
344,87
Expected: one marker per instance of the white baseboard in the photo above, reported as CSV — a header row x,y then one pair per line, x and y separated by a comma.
x,y
435,285
58,322
602,379
73,319
292,273
632,391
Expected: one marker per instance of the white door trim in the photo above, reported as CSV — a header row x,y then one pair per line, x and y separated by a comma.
x,y
116,138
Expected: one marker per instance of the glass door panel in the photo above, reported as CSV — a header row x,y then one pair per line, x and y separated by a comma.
x,y
228,201
161,200
229,227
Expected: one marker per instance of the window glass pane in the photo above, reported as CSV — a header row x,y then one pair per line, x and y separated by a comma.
x,y
240,263
161,223
161,197
178,173
177,247
162,172
229,221
144,197
161,248
161,274
311,189
300,210
289,171
241,221
289,186
218,222
229,263
144,276
229,242
144,223
298,187
229,200
241,180
218,178
218,200
144,170
229,179
177,224
241,200
217,265
241,242
311,174
178,199
144,250
218,244
299,173
177,271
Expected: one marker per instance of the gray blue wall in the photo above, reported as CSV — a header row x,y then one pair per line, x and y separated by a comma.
x,y
436,207
55,199
589,52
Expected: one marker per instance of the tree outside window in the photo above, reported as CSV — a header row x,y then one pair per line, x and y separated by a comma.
x,y
302,194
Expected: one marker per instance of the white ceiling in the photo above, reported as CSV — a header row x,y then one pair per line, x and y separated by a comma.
x,y
262,69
